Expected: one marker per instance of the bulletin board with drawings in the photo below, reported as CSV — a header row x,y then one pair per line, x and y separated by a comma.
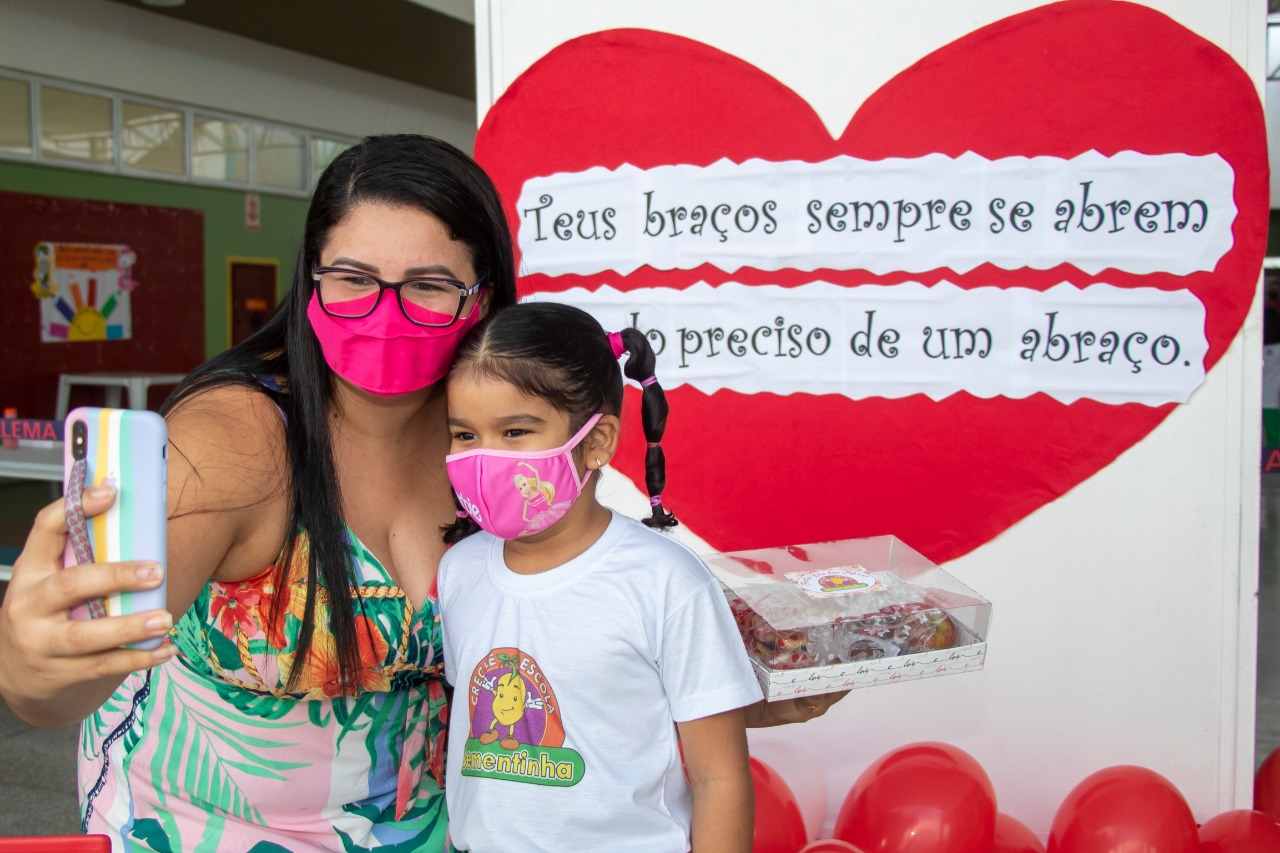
x,y
96,286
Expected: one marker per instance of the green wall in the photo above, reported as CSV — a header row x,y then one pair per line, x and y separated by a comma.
x,y
224,233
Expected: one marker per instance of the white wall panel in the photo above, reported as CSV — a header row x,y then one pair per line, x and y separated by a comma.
x,y
1125,618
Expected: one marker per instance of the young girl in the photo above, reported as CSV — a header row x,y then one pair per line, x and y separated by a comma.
x,y
588,653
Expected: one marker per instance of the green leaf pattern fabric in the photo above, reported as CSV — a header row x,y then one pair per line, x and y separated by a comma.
x,y
210,752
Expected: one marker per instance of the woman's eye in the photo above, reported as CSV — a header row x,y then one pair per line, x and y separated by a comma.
x,y
516,433
352,280
426,287
464,436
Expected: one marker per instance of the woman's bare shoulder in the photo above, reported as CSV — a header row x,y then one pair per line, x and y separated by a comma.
x,y
226,450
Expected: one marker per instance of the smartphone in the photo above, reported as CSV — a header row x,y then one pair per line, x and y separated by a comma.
x,y
127,449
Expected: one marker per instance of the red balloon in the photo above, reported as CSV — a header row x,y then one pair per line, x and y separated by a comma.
x,y
779,826
829,845
1266,785
1012,836
920,798
1124,808
1241,831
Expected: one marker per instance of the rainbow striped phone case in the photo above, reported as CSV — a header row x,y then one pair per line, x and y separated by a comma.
x,y
124,448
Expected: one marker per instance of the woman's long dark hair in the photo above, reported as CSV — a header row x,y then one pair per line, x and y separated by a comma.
x,y
561,354
410,171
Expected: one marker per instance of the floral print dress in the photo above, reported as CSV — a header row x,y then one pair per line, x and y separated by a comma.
x,y
207,752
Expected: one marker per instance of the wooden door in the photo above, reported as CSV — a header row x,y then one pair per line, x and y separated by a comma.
x,y
253,297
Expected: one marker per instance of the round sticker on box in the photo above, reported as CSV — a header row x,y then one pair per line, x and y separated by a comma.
x,y
842,580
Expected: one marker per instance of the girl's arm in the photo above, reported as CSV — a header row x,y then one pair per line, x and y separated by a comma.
x,y
715,759
802,710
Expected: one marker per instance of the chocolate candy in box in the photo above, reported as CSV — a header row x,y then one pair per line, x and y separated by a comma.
x,y
850,613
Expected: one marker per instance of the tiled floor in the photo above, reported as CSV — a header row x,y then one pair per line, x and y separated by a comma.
x,y
37,767
37,779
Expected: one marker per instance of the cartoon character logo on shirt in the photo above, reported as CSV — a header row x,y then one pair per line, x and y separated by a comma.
x,y
516,732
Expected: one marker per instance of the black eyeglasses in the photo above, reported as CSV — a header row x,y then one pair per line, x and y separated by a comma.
x,y
352,294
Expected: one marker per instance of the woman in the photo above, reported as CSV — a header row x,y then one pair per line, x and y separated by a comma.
x,y
308,459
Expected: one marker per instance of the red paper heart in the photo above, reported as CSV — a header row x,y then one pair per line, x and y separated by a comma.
x,y
749,471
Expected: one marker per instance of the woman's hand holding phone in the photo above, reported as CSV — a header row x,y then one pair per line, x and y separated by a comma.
x,y
56,669
45,655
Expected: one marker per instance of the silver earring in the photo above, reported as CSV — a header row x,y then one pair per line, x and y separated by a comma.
x,y
598,465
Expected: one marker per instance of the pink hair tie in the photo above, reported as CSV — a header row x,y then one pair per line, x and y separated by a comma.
x,y
645,383
656,500
461,514
616,344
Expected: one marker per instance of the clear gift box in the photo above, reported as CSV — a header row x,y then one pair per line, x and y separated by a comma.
x,y
850,613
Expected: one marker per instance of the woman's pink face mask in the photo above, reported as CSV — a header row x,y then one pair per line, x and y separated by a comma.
x,y
385,353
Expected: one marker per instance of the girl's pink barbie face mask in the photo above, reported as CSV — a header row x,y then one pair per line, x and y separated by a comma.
x,y
385,353
518,493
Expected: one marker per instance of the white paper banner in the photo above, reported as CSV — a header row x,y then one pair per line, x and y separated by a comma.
x,y
1134,212
1114,345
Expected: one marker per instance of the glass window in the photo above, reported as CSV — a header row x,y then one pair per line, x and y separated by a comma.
x,y
277,157
152,138
220,149
76,126
15,116
120,133
322,153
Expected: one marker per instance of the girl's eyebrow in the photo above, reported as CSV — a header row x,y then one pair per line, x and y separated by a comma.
x,y
520,419
504,421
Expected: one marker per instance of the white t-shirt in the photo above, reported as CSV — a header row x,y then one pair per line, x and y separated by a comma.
x,y
568,684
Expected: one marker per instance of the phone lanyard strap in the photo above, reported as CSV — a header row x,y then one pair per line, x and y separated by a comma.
x,y
78,529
